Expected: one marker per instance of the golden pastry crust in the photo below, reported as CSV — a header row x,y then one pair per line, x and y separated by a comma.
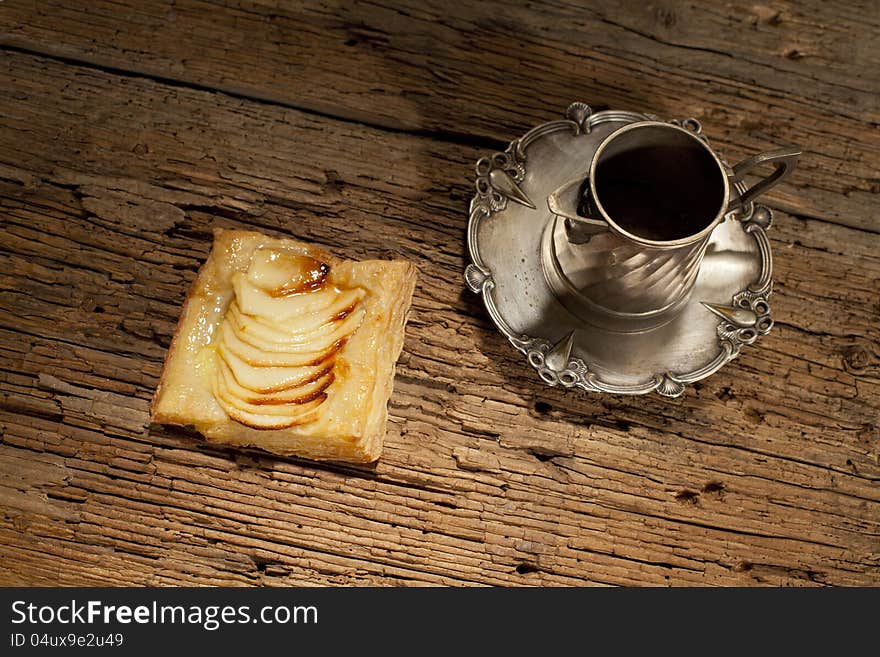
x,y
345,388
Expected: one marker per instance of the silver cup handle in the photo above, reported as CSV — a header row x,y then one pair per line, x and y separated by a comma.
x,y
564,202
784,161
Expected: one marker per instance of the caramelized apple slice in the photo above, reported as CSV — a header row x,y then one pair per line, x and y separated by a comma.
x,y
300,328
263,421
298,394
278,272
331,333
266,380
254,301
259,358
222,393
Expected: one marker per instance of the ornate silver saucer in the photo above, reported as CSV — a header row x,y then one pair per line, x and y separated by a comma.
x,y
727,308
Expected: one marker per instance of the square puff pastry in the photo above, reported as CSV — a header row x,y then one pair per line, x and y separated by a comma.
x,y
284,347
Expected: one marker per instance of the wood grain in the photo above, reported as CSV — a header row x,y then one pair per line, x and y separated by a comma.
x,y
110,182
756,74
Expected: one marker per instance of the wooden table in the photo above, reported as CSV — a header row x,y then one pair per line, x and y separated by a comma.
x,y
128,132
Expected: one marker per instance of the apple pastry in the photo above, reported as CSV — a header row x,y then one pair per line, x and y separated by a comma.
x,y
284,347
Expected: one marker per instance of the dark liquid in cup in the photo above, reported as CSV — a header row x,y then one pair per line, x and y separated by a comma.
x,y
660,193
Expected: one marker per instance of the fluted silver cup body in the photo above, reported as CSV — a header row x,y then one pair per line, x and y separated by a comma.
x,y
627,242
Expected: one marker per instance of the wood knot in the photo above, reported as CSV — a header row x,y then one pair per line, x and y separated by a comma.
x,y
333,179
868,433
856,357
665,16
753,415
725,394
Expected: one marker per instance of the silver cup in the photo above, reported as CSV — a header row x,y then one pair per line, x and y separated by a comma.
x,y
625,246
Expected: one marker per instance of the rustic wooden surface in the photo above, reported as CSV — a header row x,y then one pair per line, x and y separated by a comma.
x,y
127,132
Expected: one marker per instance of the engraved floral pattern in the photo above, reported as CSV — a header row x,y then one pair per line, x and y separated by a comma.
x,y
490,196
